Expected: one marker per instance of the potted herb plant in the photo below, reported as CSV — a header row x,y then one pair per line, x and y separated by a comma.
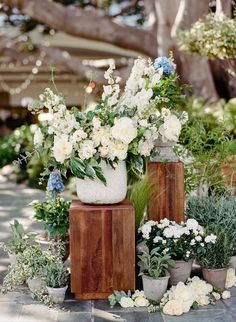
x,y
181,241
214,257
56,275
18,243
154,271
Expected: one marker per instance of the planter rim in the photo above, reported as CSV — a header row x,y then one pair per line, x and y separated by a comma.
x,y
57,288
182,260
215,269
156,278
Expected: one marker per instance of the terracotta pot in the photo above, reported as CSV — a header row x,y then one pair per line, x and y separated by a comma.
x,y
181,272
216,277
57,295
232,262
155,287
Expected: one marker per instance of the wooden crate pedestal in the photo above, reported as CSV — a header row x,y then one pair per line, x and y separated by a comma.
x,y
102,249
168,177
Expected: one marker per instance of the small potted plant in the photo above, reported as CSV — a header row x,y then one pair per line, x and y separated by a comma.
x,y
180,241
54,213
154,271
18,243
56,277
214,257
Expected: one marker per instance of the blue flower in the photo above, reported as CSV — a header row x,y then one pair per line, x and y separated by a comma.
x,y
164,63
55,182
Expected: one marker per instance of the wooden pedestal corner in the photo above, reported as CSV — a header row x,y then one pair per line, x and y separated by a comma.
x,y
102,249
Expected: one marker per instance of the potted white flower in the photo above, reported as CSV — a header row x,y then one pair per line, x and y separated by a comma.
x,y
56,276
154,271
97,145
214,257
180,241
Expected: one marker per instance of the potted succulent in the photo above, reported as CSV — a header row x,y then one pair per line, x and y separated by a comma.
x,y
18,243
54,213
97,145
214,257
56,275
154,271
181,241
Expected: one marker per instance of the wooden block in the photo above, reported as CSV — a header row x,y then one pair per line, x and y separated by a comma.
x,y
102,249
168,178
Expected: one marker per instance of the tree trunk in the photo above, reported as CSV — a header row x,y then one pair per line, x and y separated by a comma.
x,y
194,70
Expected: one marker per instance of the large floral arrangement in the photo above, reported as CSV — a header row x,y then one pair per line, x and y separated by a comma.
x,y
123,126
182,241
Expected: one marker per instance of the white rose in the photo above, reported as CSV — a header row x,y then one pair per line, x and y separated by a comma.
x,y
118,149
126,302
145,147
216,296
173,307
141,301
198,238
138,293
226,295
103,150
192,224
62,148
203,300
230,278
38,137
170,129
77,136
168,232
157,239
124,130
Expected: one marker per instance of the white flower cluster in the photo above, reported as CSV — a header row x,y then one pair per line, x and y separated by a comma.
x,y
138,299
180,298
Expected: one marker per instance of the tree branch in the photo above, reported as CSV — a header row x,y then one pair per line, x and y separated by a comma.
x,y
86,23
126,9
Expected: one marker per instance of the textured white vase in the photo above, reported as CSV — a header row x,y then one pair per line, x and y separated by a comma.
x,y
155,287
57,295
164,152
96,192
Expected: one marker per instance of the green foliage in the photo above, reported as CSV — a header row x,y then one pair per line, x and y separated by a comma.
x,y
207,142
116,297
139,194
55,274
20,240
54,213
212,36
154,263
216,255
214,211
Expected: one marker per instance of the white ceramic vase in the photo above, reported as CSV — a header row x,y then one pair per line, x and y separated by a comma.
x,y
155,287
57,295
96,192
181,272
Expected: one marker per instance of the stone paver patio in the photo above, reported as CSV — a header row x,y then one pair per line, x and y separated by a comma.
x,y
18,306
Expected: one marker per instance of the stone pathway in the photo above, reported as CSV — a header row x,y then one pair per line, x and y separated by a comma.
x,y
18,306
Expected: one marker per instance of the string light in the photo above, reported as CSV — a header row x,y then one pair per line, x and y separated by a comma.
x,y
25,84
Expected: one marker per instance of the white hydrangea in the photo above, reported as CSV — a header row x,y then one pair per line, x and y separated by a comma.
x,y
86,150
77,136
145,147
170,129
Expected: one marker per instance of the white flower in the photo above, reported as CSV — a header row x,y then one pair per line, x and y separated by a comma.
x,y
77,136
198,238
62,148
165,222
203,300
170,129
124,130
96,123
102,136
210,239
193,242
168,232
86,150
226,295
138,293
117,149
230,278
173,307
107,90
141,301
145,147
38,137
192,224
103,150
216,296
157,239
126,302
